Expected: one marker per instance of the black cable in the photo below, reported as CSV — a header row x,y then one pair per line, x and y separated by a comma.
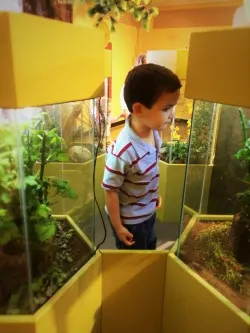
x,y
100,140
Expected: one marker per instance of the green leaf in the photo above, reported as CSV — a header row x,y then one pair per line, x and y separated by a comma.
x,y
70,193
8,233
43,211
31,180
124,5
37,285
45,230
62,157
154,11
54,140
3,212
6,197
64,188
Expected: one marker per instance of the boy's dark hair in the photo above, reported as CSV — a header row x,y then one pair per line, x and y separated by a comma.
x,y
146,83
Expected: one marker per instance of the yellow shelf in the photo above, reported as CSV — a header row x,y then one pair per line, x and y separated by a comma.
x,y
45,61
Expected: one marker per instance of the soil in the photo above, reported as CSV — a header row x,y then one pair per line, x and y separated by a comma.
x,y
191,254
51,266
240,237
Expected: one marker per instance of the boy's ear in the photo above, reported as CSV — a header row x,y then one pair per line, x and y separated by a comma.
x,y
137,109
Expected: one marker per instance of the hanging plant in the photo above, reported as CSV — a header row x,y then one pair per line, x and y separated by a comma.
x,y
141,10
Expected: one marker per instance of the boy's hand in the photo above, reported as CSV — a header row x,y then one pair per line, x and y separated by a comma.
x,y
125,236
159,202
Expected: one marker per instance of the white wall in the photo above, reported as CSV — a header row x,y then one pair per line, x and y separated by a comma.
x,y
11,5
163,58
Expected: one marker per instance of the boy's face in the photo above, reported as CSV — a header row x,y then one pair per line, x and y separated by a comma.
x,y
161,113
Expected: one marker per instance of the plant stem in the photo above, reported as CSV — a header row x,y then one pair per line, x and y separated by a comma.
x,y
43,162
243,125
244,132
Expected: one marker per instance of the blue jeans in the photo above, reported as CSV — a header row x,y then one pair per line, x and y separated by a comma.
x,y
144,235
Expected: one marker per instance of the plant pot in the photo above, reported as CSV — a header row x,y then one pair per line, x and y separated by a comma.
x,y
171,185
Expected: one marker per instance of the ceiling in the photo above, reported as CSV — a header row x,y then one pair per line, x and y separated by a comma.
x,y
176,3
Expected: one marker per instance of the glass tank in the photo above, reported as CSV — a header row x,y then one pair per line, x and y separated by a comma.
x,y
215,221
47,208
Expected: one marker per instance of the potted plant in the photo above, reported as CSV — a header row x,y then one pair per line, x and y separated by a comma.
x,y
56,247
174,156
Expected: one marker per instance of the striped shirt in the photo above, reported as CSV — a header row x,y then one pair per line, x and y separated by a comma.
x,y
132,168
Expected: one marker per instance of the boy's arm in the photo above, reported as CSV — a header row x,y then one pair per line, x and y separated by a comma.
x,y
113,207
113,179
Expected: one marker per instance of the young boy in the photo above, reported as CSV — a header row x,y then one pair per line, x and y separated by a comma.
x,y
131,174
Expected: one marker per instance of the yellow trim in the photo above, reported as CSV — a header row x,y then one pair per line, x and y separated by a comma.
x,y
192,223
46,61
190,210
141,252
217,4
184,234
77,229
215,217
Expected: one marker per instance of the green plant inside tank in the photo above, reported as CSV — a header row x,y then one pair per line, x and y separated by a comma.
x,y
197,145
36,252
232,240
240,232
216,256
175,152
220,250
201,133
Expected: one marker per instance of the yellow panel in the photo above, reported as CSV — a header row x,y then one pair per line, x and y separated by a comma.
x,y
219,67
182,61
46,61
7,88
133,285
171,190
20,324
76,307
192,305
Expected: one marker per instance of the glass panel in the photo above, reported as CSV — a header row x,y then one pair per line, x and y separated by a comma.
x,y
216,205
46,201
200,156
